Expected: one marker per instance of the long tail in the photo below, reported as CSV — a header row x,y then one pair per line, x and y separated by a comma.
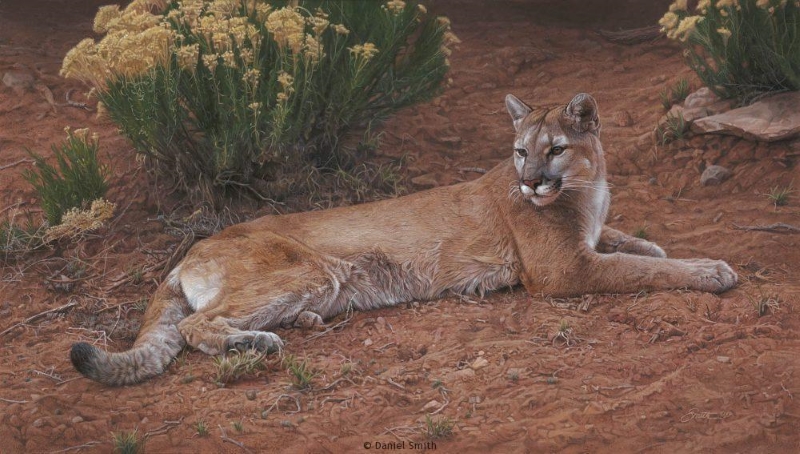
x,y
157,344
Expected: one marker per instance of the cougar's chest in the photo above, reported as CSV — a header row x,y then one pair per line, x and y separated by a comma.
x,y
599,200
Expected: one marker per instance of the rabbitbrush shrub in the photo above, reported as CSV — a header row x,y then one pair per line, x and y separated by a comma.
x,y
228,93
740,49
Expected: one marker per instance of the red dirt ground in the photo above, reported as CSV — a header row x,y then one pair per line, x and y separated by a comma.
x,y
666,372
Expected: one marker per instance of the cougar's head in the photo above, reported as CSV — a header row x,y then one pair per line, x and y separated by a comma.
x,y
556,150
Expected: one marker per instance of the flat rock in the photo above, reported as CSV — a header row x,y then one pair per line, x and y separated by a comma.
x,y
427,180
714,175
18,79
770,119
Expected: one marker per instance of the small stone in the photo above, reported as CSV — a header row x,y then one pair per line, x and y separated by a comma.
x,y
623,119
452,141
620,69
18,79
434,404
38,423
724,359
479,363
464,374
367,342
701,98
77,420
250,394
427,180
658,79
714,175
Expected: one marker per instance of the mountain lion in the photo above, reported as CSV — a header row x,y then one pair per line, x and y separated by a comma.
x,y
535,219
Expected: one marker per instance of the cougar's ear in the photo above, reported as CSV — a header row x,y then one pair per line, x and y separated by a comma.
x,y
581,113
518,110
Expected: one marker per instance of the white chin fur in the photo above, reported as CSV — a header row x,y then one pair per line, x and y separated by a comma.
x,y
538,199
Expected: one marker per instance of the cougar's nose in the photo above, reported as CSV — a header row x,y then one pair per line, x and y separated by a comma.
x,y
532,183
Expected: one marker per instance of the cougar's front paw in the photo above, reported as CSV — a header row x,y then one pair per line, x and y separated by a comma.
x,y
261,341
712,275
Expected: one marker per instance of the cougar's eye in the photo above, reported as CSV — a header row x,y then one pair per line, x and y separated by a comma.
x,y
555,151
522,152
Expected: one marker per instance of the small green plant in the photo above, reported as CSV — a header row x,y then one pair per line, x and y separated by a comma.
x,y
127,442
674,128
141,304
438,383
740,49
676,94
77,180
345,369
236,95
438,428
779,196
201,428
16,240
640,232
238,426
234,365
136,274
299,371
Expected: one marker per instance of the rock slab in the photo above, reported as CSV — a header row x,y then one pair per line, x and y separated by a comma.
x,y
776,117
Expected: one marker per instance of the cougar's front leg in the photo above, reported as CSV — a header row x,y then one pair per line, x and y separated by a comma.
x,y
592,272
626,273
612,240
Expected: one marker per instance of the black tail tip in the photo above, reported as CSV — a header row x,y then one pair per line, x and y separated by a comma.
x,y
82,356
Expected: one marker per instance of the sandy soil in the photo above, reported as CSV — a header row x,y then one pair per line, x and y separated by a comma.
x,y
666,372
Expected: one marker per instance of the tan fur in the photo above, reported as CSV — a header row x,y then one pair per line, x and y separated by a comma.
x,y
535,220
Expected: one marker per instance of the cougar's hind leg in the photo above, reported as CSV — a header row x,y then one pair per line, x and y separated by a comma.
x,y
215,335
283,284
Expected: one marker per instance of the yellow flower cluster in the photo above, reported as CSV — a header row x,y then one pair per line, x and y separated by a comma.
x,y
134,44
395,6
341,29
364,51
686,27
286,82
287,28
76,222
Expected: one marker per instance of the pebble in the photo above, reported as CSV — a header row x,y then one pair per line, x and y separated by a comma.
x,y
38,423
77,420
367,342
714,175
479,363
18,79
427,180
250,394
724,359
432,405
623,119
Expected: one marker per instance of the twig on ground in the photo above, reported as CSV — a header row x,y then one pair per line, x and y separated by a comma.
x,y
15,163
74,448
35,317
778,227
633,35
10,401
226,438
296,402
